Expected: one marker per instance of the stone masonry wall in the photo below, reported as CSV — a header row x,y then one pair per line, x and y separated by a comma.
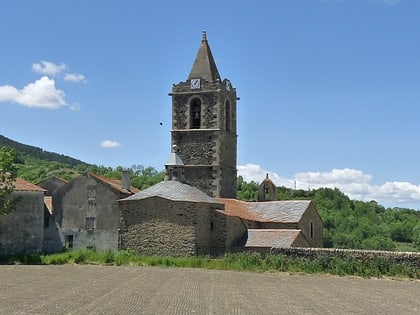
x,y
21,231
157,226
411,259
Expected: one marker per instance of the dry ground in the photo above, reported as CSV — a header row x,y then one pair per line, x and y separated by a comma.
x,y
76,289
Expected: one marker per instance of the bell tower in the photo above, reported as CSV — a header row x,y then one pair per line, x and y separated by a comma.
x,y
204,126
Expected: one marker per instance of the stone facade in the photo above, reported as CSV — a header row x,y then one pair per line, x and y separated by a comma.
x,y
21,231
86,213
175,219
204,127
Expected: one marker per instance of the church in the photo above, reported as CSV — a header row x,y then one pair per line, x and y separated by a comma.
x,y
195,210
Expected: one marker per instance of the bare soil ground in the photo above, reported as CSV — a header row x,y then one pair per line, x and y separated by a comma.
x,y
76,289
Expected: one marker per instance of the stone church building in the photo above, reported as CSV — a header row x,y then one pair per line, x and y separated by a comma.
x,y
195,211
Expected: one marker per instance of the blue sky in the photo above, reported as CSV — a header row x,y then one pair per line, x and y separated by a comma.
x,y
329,90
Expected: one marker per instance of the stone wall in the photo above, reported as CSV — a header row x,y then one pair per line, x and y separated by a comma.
x,y
311,226
411,259
157,226
86,210
21,231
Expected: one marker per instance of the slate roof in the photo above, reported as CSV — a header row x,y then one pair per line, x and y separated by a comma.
x,y
204,64
115,184
271,238
283,211
175,191
175,160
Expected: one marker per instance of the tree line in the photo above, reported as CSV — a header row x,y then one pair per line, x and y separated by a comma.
x,y
347,223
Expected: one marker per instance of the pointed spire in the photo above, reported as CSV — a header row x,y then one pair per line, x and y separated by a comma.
x,y
204,65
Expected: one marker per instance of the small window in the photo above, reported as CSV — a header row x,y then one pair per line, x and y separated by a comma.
x,y
227,114
69,241
312,230
91,193
90,223
211,226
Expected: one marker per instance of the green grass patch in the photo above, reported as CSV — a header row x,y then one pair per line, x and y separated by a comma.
x,y
348,265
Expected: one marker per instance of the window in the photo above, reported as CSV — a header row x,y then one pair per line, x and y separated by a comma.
x,y
90,223
227,114
312,230
195,114
91,195
69,241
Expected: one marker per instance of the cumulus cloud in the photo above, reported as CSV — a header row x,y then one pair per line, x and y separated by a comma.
x,y
74,77
42,94
48,68
110,144
354,183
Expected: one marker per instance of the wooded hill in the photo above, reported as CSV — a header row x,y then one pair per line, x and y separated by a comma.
x,y
347,223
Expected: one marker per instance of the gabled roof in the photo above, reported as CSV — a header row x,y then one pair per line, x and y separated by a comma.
x,y
52,178
23,185
283,211
175,191
48,203
115,184
204,65
271,238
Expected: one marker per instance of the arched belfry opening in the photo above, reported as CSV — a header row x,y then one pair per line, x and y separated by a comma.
x,y
195,113
267,190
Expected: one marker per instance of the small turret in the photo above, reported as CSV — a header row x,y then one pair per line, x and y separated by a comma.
x,y
174,168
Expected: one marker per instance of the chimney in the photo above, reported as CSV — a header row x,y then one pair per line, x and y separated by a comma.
x,y
125,180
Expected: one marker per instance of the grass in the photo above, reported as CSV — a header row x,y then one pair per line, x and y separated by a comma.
x,y
375,267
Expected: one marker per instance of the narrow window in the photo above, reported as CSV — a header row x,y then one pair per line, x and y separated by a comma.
x,y
69,241
312,230
91,195
227,114
90,223
195,113
211,226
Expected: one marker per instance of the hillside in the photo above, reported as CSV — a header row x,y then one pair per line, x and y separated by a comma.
x,y
24,150
347,223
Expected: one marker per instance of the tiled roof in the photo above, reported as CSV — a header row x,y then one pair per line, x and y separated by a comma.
x,y
48,203
271,238
115,184
23,185
176,191
286,211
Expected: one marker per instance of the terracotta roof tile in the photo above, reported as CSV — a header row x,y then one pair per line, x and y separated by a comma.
x,y
115,184
48,203
23,185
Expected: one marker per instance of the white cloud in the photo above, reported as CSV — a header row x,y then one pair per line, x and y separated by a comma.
x,y
354,183
74,77
110,144
48,68
42,94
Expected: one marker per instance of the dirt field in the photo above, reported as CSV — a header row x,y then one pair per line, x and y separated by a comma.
x,y
147,290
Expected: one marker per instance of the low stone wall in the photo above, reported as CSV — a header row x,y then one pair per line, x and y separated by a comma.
x,y
411,259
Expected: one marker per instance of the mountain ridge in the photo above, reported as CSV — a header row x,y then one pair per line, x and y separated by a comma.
x,y
39,153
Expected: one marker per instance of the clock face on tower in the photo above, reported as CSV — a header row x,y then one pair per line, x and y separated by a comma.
x,y
195,83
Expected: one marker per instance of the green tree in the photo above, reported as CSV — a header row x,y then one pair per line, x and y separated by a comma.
x,y
8,173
